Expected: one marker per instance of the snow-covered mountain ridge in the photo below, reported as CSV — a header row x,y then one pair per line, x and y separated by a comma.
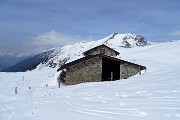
x,y
71,52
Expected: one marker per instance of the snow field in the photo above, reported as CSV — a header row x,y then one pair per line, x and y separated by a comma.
x,y
154,95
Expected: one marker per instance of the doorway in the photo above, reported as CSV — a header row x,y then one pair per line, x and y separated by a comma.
x,y
110,70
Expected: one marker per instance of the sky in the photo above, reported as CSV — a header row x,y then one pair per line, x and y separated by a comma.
x,y
35,25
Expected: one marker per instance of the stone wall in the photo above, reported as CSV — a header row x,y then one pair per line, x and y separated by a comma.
x,y
87,71
90,70
99,49
127,70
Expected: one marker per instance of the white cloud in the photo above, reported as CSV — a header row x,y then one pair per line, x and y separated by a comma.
x,y
7,52
175,33
49,40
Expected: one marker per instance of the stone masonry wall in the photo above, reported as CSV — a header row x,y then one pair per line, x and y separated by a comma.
x,y
107,51
87,71
128,70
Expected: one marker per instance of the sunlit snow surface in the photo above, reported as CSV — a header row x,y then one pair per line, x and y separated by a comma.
x,y
154,95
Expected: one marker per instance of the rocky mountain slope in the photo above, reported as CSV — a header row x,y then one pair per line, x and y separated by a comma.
x,y
9,60
72,52
59,56
30,62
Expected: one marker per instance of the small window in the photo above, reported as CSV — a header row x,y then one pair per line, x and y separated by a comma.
x,y
67,68
102,51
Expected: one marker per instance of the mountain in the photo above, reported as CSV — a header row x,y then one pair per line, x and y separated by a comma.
x,y
9,60
72,52
1,66
30,62
57,57
127,40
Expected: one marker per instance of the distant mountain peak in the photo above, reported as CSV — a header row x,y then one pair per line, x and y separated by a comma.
x,y
31,62
127,40
116,40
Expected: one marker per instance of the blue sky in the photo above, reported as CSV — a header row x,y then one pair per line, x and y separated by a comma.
x,y
41,24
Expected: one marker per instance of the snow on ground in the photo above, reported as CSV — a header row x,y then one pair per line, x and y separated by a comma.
x,y
154,95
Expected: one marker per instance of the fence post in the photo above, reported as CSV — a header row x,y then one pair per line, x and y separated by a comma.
x,y
111,76
15,90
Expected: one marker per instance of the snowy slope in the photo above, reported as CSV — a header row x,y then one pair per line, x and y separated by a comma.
x,y
155,95
72,52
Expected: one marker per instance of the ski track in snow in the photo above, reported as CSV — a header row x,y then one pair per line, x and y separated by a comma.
x,y
155,95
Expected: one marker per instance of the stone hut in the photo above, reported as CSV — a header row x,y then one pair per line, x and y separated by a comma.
x,y
98,65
